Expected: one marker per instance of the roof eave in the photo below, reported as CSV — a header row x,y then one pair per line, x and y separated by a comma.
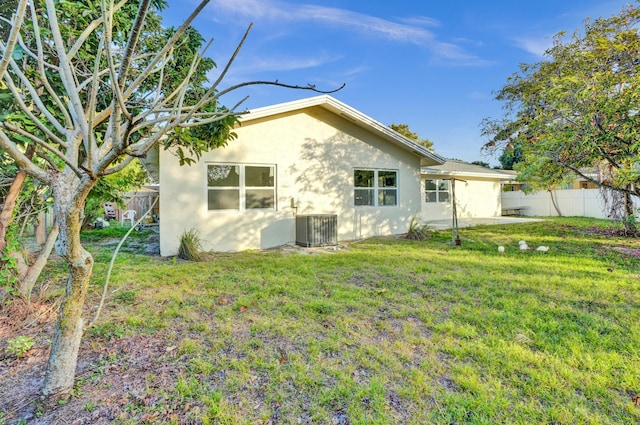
x,y
426,170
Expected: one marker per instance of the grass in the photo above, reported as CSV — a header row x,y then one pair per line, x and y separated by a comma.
x,y
387,331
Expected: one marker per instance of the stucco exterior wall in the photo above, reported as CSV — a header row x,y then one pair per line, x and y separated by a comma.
x,y
315,153
476,197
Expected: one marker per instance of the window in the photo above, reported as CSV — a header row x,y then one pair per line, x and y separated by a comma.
x,y
375,188
240,187
436,190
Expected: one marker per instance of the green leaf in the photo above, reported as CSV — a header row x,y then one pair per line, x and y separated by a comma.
x,y
18,53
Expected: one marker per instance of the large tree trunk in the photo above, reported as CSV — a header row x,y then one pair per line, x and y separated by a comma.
x,y
63,358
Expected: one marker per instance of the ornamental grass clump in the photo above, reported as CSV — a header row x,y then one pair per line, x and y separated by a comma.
x,y
190,248
417,231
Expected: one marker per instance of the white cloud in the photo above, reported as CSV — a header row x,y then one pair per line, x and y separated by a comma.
x,y
422,21
535,45
364,24
284,63
408,30
276,10
354,71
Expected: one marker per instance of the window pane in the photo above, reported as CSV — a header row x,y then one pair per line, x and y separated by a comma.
x,y
430,184
363,197
258,176
223,175
363,178
443,185
387,178
259,198
444,196
387,197
431,197
224,199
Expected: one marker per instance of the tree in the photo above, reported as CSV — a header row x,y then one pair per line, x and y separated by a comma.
x,y
98,84
406,132
510,156
578,110
481,163
539,173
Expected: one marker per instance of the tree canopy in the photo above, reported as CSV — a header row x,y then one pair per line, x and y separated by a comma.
x,y
406,132
577,110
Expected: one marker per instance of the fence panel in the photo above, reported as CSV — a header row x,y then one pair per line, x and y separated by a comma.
x,y
571,202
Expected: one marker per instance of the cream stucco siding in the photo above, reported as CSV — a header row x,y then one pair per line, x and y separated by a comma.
x,y
475,197
315,152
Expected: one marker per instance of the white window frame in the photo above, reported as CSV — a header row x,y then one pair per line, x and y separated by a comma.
x,y
242,187
437,191
377,188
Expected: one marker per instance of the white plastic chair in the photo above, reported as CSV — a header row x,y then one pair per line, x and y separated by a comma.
x,y
129,215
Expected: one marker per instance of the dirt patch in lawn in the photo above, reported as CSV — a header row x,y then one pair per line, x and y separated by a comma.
x,y
607,232
113,379
634,252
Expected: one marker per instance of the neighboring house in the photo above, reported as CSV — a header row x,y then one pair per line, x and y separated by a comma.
x,y
578,182
311,156
477,190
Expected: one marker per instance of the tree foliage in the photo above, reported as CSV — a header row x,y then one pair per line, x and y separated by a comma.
x,y
578,110
7,7
406,132
481,163
112,189
510,156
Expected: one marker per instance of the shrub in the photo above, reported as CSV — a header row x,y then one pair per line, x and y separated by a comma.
x,y
191,246
417,231
19,345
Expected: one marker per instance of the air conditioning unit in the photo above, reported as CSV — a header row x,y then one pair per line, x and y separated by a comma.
x,y
316,230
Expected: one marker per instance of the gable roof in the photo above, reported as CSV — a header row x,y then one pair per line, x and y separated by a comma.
x,y
353,115
457,168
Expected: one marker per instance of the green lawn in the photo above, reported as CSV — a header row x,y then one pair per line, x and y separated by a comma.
x,y
384,331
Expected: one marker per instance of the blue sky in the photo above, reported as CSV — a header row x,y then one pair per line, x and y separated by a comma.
x,y
432,65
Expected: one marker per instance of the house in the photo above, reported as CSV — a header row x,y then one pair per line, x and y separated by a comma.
x,y
310,156
477,190
578,182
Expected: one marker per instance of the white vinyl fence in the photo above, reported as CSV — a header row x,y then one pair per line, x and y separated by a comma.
x,y
571,202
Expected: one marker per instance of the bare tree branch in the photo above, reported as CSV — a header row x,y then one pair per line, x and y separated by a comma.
x,y
117,168
92,26
13,36
17,130
144,74
69,81
28,111
134,36
22,160
41,68
116,84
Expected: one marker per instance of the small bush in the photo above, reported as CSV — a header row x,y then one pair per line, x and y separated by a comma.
x,y
106,330
126,297
191,246
19,345
417,231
